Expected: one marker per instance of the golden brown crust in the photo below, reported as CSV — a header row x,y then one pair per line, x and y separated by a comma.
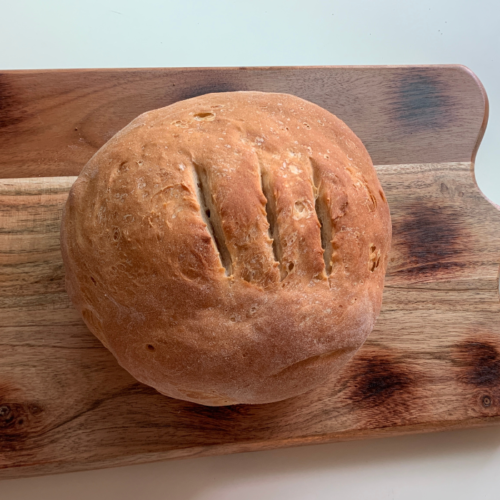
x,y
169,259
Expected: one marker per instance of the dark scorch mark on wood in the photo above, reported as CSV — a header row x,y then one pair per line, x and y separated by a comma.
x,y
480,364
421,101
377,380
383,389
430,241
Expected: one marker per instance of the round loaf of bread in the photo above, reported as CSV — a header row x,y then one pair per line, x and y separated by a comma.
x,y
229,248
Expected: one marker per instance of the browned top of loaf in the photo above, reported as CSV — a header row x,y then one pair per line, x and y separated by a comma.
x,y
170,258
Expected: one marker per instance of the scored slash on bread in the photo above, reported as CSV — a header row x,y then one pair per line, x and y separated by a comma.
x,y
229,248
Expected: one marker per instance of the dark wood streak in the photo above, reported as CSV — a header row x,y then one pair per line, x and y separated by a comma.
x,y
11,113
131,390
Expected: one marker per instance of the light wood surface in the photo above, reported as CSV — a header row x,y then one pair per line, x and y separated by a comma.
x,y
432,362
51,122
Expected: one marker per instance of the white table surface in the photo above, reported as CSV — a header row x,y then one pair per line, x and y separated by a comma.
x,y
123,33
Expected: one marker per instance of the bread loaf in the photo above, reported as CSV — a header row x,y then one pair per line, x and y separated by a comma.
x,y
229,248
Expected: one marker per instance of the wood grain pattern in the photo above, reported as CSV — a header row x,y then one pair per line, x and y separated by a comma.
x,y
51,122
432,362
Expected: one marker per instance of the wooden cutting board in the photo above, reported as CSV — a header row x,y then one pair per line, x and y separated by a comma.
x,y
432,362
